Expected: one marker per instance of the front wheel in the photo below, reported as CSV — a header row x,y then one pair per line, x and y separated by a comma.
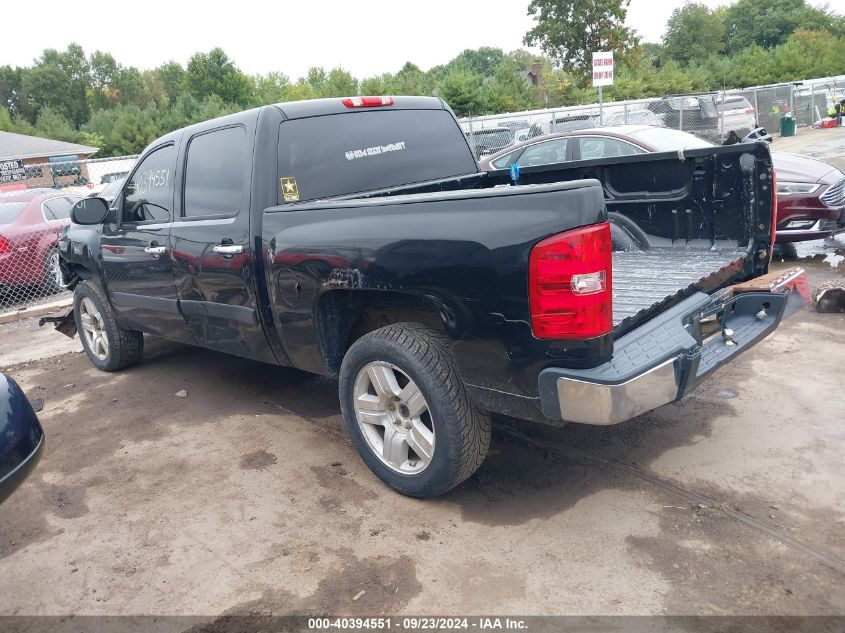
x,y
53,280
408,413
109,345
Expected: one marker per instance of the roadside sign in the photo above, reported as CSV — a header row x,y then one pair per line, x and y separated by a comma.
x,y
602,68
11,170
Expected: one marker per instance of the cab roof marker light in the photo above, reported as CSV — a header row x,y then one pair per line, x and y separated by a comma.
x,y
367,102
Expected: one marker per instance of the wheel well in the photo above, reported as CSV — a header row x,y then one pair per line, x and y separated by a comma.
x,y
344,316
79,273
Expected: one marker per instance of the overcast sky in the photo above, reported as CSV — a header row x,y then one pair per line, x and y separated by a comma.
x,y
366,37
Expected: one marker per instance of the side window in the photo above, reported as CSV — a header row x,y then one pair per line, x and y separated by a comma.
x,y
596,147
148,196
504,161
214,175
57,208
547,153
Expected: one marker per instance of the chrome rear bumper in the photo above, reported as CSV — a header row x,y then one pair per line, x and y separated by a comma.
x,y
662,360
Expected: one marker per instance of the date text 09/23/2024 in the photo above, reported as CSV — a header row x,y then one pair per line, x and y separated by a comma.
x,y
417,624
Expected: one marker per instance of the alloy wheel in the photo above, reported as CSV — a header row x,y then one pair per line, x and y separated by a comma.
x,y
394,417
94,329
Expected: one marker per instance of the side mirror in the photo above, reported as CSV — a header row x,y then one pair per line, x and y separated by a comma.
x,y
89,211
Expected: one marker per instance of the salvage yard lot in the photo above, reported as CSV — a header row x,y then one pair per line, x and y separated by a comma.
x,y
247,496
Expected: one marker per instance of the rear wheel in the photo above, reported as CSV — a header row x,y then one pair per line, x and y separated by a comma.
x,y
408,413
109,345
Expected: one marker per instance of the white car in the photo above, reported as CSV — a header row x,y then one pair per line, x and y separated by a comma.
x,y
736,114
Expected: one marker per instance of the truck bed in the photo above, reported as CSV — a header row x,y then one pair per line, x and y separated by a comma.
x,y
642,279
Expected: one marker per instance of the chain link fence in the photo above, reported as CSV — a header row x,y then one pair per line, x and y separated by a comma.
x,y
716,116
36,196
35,203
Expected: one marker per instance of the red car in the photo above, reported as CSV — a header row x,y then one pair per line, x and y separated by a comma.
x,y
30,222
811,193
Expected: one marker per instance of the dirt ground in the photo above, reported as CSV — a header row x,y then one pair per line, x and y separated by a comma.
x,y
248,496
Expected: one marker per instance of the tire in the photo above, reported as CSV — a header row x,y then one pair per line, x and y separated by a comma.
x,y
451,430
123,348
53,282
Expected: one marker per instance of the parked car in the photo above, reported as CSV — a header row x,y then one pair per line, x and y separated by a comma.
x,y
357,238
735,114
30,221
634,117
811,198
21,437
811,193
523,130
490,140
574,122
110,191
690,113
113,177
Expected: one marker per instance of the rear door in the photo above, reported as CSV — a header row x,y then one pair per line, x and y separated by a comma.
x,y
135,251
212,249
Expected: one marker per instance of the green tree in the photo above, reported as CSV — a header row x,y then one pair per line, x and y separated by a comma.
x,y
6,124
508,91
768,23
133,129
104,69
461,89
339,83
410,80
51,124
693,32
73,63
10,87
273,87
45,85
569,31
213,73
172,78
484,61
130,87
375,85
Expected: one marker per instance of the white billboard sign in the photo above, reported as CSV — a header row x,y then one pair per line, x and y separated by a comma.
x,y
602,68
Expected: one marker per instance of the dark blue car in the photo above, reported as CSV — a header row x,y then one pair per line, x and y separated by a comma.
x,y
21,437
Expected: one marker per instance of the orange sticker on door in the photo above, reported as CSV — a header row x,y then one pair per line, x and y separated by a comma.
x,y
290,191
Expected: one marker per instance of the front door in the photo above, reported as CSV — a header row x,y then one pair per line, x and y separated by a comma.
x,y
136,258
212,253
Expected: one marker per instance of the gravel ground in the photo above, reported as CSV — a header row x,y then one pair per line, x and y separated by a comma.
x,y
247,496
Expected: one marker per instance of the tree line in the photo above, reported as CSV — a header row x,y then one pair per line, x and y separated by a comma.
x,y
95,100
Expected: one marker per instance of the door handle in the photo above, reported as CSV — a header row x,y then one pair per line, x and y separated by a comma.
x,y
228,249
155,250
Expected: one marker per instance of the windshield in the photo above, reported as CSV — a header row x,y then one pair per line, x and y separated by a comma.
x,y
666,140
10,210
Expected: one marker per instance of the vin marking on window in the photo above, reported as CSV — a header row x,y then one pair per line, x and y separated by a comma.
x,y
375,151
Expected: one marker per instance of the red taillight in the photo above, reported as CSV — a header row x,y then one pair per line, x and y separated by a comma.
x,y
749,110
367,102
569,284
5,246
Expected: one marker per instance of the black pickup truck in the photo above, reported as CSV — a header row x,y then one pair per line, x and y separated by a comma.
x,y
356,238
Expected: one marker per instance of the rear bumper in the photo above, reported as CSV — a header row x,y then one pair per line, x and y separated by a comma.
x,y
661,361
